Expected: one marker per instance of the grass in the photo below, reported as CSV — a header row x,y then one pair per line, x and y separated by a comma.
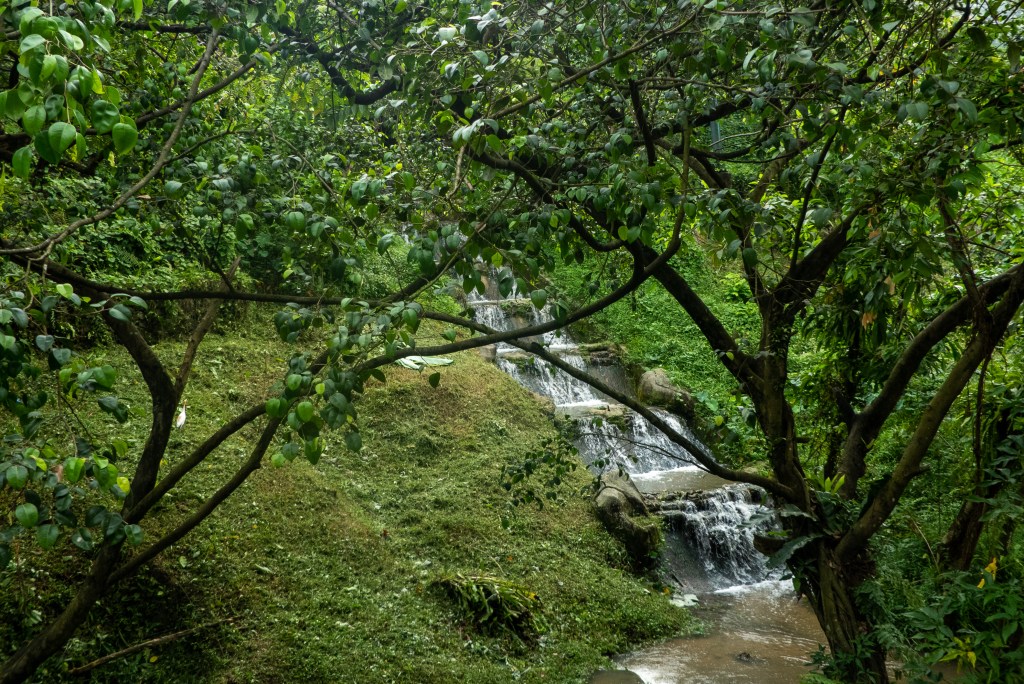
x,y
329,572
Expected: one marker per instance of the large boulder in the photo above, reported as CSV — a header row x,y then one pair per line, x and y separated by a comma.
x,y
657,389
621,509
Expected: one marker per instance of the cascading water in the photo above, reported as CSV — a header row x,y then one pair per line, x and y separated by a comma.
x,y
761,634
610,435
716,525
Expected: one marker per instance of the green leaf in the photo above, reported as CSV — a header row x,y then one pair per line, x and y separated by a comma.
x,y
74,467
17,476
33,119
304,411
172,189
71,40
278,460
61,356
104,376
27,515
354,441
434,379
13,106
787,550
295,220
918,111
30,42
44,148
65,290
312,449
125,137
133,534
293,382
47,535
539,298
61,135
118,313
22,162
968,108
104,115
277,408
137,8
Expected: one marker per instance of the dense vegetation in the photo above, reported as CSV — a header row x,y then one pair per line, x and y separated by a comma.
x,y
332,572
850,172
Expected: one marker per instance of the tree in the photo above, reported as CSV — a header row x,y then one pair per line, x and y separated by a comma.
x,y
853,187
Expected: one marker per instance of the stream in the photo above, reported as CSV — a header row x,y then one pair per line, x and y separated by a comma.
x,y
757,631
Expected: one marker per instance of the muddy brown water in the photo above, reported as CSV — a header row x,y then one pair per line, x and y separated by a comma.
x,y
755,633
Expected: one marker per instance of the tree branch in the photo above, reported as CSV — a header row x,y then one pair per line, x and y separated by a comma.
x,y
868,424
196,339
881,506
161,161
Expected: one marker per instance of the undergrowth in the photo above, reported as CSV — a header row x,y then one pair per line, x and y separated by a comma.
x,y
325,573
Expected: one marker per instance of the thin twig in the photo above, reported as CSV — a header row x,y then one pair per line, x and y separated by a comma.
x,y
158,641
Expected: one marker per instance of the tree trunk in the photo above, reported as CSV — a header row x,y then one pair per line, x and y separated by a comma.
x,y
961,540
29,657
856,656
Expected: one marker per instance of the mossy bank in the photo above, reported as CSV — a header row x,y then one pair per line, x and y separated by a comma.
x,y
327,573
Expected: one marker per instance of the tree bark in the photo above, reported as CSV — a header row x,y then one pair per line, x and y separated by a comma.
x,y
29,657
856,656
961,540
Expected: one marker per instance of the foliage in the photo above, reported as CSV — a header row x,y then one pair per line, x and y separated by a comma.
x,y
975,624
555,458
329,568
493,603
864,186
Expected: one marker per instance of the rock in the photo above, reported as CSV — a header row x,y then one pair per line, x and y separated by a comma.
x,y
600,353
489,353
619,503
747,658
616,677
519,358
657,389
547,404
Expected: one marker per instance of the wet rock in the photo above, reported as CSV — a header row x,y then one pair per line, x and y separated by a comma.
x,y
616,677
600,353
519,358
621,509
657,389
748,659
489,353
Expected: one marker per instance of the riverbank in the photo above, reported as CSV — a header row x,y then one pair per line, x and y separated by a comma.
x,y
327,573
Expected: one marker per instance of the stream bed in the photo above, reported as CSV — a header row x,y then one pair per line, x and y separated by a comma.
x,y
756,633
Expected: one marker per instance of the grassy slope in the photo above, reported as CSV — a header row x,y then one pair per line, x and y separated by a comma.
x,y
328,569
658,332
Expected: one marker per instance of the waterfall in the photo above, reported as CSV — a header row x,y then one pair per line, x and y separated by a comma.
x,y
709,535
717,526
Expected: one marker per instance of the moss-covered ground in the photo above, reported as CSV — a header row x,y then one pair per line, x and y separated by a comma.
x,y
327,572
